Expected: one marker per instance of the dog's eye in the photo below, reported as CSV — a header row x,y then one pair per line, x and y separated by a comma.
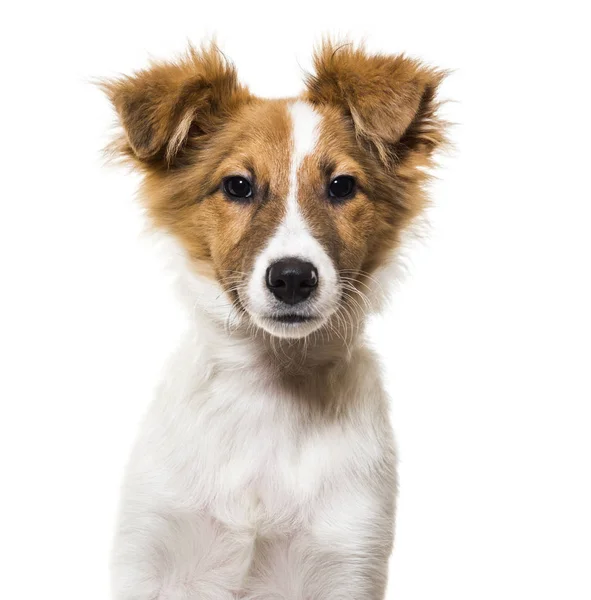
x,y
341,187
237,187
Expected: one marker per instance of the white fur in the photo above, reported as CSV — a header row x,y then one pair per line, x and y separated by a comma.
x,y
234,491
293,239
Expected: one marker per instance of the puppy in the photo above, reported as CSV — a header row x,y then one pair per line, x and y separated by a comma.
x,y
265,468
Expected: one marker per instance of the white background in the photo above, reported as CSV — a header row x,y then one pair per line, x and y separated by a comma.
x,y
486,345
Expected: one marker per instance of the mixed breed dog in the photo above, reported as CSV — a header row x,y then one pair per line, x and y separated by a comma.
x,y
265,467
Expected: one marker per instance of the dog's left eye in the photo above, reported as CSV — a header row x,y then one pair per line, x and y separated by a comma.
x,y
237,187
341,187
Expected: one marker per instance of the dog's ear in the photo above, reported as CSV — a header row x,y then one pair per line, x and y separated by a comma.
x,y
161,107
390,99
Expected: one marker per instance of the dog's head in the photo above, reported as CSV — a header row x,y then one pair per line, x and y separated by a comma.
x,y
289,205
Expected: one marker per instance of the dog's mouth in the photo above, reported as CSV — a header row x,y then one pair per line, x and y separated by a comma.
x,y
292,318
289,325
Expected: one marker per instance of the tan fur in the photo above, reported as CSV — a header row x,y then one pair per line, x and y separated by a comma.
x,y
390,103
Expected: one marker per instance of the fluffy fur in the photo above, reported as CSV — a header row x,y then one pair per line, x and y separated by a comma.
x,y
265,468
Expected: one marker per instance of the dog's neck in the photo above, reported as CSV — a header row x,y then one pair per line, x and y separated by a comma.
x,y
316,372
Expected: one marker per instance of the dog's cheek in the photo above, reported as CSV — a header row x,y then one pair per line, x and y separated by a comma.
x,y
355,224
224,226
237,234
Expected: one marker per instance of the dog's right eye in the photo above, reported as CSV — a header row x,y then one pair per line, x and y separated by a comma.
x,y
237,187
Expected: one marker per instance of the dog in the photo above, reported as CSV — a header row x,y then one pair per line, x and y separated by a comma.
x,y
265,468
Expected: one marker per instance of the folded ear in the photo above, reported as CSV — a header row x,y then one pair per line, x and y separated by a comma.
x,y
161,106
390,99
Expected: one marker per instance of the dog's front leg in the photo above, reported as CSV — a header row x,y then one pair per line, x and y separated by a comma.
x,y
347,556
162,555
341,555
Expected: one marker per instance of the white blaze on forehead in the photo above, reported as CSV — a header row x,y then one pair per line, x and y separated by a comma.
x,y
305,123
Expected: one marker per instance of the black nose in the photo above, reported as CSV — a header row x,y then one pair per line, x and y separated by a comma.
x,y
292,280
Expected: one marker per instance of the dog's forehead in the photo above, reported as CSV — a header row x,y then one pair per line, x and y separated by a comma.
x,y
272,134
278,135
305,123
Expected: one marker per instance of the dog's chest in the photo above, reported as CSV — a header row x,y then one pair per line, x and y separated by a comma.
x,y
254,457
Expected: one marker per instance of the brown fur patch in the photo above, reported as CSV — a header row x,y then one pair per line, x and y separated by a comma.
x,y
390,103
221,235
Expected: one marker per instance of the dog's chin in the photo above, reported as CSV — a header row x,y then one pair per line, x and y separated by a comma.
x,y
289,326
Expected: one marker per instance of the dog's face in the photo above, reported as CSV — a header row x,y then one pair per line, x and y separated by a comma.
x,y
290,205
